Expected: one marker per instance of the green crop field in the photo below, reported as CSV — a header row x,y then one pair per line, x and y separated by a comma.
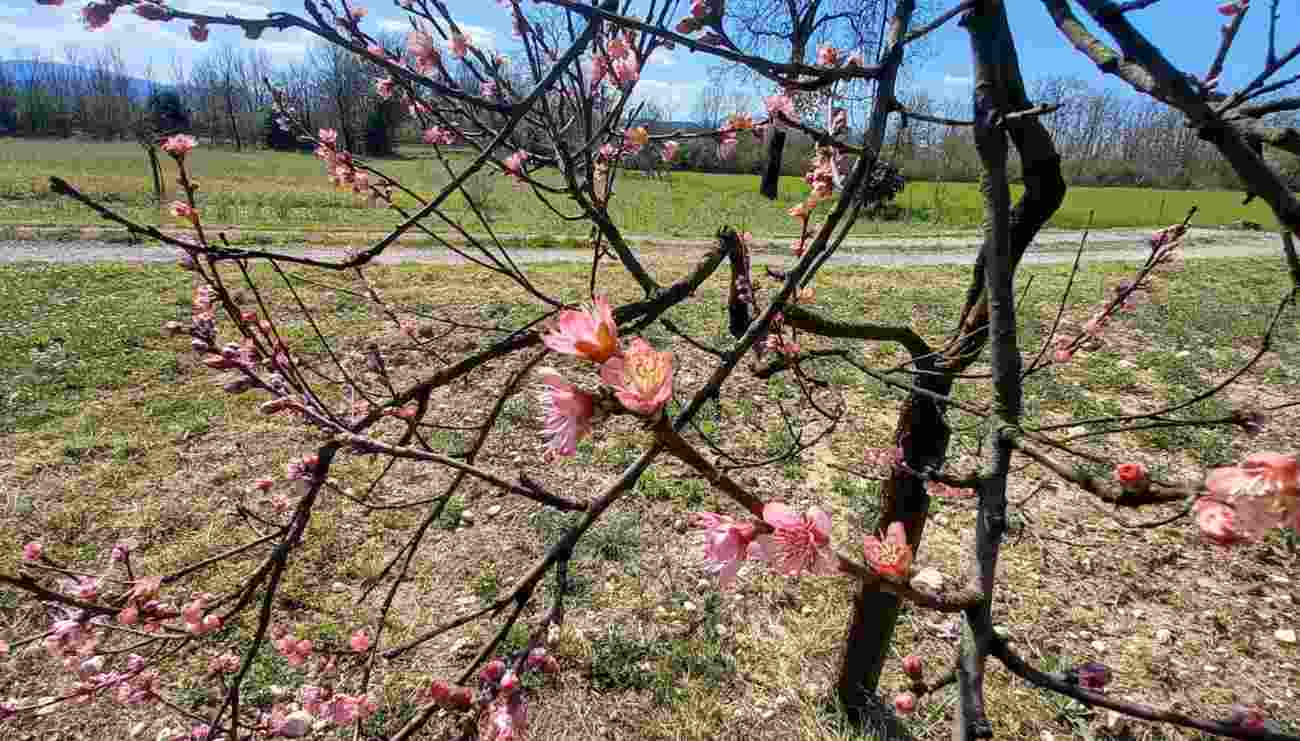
x,y
272,190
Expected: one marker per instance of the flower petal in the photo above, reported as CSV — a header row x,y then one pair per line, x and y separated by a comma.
x,y
780,516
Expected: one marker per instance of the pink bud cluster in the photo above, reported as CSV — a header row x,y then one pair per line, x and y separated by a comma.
x,y
1164,246
342,171
336,708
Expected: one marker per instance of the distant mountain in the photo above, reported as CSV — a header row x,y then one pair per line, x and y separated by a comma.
x,y
24,71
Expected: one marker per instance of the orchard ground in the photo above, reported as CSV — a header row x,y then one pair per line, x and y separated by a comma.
x,y
262,190
111,431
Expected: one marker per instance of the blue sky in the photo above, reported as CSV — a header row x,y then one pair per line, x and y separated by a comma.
x,y
1187,29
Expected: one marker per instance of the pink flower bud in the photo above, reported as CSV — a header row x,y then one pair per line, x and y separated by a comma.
x,y
492,671
904,703
510,682
912,666
32,551
1131,476
360,641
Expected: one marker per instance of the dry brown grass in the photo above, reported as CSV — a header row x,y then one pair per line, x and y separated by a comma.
x,y
650,649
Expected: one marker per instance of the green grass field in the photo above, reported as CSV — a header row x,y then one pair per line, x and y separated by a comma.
x,y
270,190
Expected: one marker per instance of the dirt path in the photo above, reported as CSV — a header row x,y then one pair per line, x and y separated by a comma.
x,y
1050,247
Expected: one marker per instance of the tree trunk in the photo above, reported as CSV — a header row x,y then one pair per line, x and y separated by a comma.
x,y
156,170
922,433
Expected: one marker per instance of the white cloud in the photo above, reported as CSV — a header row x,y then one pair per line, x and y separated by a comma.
x,y
480,36
663,57
675,97
957,80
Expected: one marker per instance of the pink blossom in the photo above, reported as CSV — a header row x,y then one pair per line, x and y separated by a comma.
x,y
670,150
199,31
626,70
360,641
780,105
182,210
1217,521
798,543
727,146
855,60
226,663
514,164
687,25
32,551
700,8
827,55
488,89
913,667
590,333
566,413
904,703
618,48
328,137
179,145
439,135
1231,9
424,55
726,544
598,68
1063,355
384,88
459,45
890,557
642,378
449,696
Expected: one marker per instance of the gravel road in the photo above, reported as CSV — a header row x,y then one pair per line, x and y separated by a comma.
x,y
1050,247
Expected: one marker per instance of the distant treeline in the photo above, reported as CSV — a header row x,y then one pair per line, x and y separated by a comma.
x,y
1105,137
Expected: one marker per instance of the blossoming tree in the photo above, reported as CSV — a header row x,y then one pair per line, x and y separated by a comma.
x,y
559,128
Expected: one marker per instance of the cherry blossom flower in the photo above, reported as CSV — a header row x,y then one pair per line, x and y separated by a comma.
x,y
360,641
179,145
781,105
913,667
642,378
439,135
726,544
626,70
514,164
890,556
566,413
199,31
384,88
32,551
670,150
1262,493
827,55
727,145
1233,8
904,703
589,333
226,663
1217,521
798,543
488,89
424,55
182,210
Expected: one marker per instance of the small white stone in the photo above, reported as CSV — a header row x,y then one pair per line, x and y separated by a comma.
x,y
552,634
1278,579
138,729
1115,721
1210,669
1285,635
339,586
688,606
494,510
1001,631
1046,736
1098,646
1182,353
929,580
1164,635
467,517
